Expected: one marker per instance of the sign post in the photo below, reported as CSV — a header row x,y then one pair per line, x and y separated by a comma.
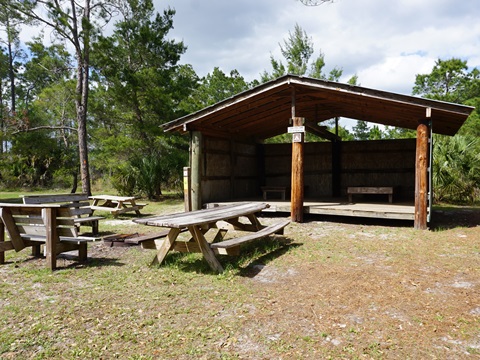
x,y
297,131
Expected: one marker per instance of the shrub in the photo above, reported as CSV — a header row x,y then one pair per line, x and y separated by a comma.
x,y
456,169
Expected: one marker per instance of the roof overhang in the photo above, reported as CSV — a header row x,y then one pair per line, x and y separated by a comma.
x,y
266,110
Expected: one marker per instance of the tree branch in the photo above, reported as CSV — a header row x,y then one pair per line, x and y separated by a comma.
x,y
44,128
314,2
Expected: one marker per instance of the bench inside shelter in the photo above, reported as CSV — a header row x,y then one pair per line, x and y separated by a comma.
x,y
78,204
388,190
35,225
274,189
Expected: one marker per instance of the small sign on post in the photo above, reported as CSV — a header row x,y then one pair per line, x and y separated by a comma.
x,y
186,188
296,129
297,137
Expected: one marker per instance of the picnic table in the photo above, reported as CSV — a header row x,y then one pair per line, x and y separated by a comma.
x,y
199,222
115,204
77,203
51,225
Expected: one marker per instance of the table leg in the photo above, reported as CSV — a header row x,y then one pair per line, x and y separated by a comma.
x,y
122,205
2,240
207,252
50,221
12,229
134,204
95,203
82,252
94,224
206,228
36,250
219,236
254,220
166,246
253,226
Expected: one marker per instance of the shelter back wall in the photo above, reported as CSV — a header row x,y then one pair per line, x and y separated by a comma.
x,y
237,170
230,170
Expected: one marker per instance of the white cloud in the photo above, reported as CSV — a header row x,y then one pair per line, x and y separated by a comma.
x,y
395,74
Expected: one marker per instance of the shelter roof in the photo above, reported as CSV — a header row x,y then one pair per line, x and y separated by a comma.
x,y
266,110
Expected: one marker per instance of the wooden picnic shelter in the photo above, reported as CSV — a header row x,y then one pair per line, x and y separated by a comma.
x,y
230,161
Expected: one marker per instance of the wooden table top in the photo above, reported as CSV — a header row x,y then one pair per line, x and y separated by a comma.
x,y
17,205
112,197
204,216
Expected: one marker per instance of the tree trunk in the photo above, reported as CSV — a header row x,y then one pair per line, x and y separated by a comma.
x,y
2,120
11,72
82,102
81,106
74,182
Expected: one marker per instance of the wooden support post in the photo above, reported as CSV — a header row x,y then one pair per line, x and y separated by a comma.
x,y
82,252
421,176
297,173
2,240
196,156
49,216
187,188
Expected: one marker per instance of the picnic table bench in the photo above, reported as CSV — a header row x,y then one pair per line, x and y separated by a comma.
x,y
199,222
116,205
78,204
370,190
51,225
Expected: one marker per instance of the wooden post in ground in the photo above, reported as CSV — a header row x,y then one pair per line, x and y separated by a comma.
x,y
2,240
196,154
49,216
297,172
421,175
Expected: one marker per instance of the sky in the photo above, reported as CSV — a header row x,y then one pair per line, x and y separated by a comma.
x,y
384,42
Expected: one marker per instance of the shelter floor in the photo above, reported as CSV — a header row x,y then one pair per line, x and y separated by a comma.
x,y
340,207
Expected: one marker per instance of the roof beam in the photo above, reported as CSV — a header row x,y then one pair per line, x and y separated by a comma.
x,y
320,131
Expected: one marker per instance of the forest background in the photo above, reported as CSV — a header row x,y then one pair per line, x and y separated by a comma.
x,y
87,107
